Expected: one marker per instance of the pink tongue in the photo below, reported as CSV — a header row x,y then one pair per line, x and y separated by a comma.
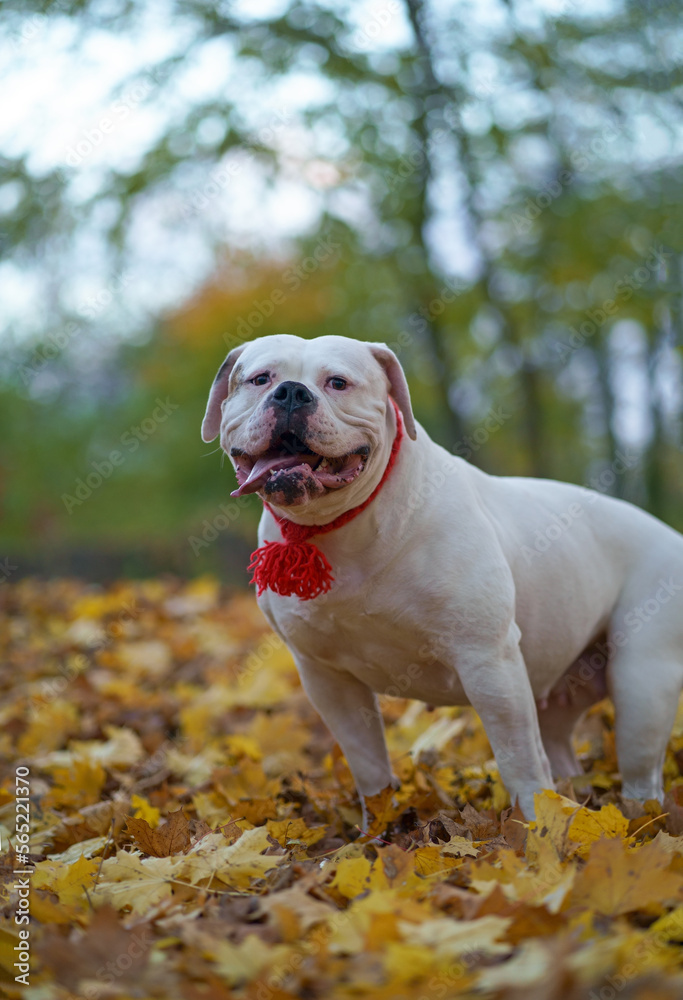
x,y
262,469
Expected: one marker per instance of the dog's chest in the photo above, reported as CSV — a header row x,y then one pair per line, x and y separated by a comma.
x,y
392,652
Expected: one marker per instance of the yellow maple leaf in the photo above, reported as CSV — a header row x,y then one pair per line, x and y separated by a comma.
x,y
618,879
76,785
432,860
234,864
287,831
140,883
394,868
548,837
69,881
46,911
588,825
357,875
143,809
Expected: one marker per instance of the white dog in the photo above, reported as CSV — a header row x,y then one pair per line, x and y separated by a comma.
x,y
526,598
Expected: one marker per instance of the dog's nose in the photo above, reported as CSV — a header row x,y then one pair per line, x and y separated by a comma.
x,y
291,396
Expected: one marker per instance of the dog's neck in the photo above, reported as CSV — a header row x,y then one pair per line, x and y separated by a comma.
x,y
337,502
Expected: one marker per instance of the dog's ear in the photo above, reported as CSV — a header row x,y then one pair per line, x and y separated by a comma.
x,y
398,385
211,424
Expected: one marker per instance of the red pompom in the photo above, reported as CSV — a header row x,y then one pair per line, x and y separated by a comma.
x,y
291,568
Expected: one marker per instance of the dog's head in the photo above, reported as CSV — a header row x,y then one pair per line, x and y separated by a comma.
x,y
303,420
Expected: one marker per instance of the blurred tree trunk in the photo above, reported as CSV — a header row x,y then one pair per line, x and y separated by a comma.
x,y
432,95
667,337
601,352
426,93
654,471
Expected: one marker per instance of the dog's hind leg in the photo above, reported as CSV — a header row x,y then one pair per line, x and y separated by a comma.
x,y
581,686
646,686
645,676
557,725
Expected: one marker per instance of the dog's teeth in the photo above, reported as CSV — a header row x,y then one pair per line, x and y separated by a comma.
x,y
324,464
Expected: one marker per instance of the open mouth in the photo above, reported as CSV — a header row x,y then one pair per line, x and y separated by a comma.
x,y
291,457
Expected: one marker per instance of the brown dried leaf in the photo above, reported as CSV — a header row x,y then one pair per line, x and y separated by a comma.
x,y
172,837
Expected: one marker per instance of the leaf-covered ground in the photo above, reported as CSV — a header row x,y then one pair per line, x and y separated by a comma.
x,y
194,828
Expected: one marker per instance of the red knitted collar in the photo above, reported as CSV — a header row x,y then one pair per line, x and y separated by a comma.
x,y
297,567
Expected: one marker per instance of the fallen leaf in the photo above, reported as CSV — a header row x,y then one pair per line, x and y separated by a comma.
x,y
382,809
451,939
290,831
234,864
128,880
70,880
618,879
355,876
143,809
79,784
298,902
172,837
460,847
587,826
547,841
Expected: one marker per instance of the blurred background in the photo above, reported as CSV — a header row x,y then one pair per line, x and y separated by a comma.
x,y
492,188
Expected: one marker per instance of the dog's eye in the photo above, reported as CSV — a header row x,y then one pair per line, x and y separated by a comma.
x,y
260,379
337,382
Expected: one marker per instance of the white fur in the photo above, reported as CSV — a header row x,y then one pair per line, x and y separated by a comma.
x,y
441,591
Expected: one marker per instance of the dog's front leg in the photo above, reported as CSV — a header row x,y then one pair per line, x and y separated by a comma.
x,y
351,712
497,685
